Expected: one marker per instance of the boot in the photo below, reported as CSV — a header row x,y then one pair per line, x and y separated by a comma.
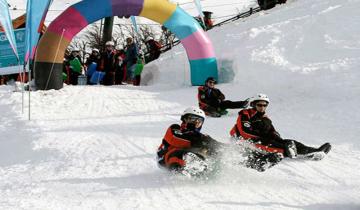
x,y
290,149
317,153
325,148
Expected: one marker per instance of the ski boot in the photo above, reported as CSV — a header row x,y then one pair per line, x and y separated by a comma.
x,y
325,147
319,153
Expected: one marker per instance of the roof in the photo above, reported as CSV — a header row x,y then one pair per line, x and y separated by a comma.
x,y
20,22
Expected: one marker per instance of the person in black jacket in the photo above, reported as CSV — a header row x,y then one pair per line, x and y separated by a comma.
x,y
92,63
153,48
255,126
212,100
94,57
107,63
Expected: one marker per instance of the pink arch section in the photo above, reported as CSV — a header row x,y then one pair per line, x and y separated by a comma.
x,y
191,43
71,21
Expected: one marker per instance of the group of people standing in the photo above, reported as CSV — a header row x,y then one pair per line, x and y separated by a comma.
x,y
264,145
113,66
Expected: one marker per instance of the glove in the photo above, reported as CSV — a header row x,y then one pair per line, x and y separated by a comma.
x,y
246,103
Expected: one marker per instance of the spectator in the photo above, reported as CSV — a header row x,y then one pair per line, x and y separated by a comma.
x,y
76,66
154,49
131,56
120,74
107,63
207,20
268,4
66,66
92,63
2,80
94,57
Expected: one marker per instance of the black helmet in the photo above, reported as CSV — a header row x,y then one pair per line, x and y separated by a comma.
x,y
212,79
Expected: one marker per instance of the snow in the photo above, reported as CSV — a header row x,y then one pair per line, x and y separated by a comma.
x,y
93,147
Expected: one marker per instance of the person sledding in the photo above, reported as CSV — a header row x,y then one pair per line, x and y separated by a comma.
x,y
184,148
254,126
212,100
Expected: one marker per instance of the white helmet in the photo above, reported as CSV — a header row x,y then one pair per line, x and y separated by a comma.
x,y
259,97
95,50
193,110
75,49
118,47
109,43
149,38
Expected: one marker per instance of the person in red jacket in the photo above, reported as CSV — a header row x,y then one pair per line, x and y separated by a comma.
x,y
212,100
182,143
255,126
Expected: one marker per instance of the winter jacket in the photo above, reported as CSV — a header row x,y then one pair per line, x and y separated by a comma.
x,y
131,55
107,62
255,126
177,139
93,59
209,97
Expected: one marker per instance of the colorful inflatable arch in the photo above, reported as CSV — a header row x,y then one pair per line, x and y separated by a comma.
x,y
49,59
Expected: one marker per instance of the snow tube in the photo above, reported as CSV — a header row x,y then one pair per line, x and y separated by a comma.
x,y
60,32
139,67
91,69
97,77
75,65
64,76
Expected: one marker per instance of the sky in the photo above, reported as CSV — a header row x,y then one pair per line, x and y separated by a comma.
x,y
221,9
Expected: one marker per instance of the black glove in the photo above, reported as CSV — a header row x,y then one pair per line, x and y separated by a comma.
x,y
245,103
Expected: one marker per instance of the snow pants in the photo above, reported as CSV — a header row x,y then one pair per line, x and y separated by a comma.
x,y
283,144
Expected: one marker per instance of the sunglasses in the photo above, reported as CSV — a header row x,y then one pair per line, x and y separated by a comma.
x,y
212,82
194,119
261,105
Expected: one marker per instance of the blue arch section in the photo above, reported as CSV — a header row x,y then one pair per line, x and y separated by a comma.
x,y
201,67
181,24
86,8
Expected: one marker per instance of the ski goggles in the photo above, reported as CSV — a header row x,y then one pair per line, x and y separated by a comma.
x,y
194,119
261,105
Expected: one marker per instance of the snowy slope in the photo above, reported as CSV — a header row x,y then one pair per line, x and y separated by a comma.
x,y
94,147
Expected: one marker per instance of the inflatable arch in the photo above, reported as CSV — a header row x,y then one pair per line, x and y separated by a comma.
x,y
51,48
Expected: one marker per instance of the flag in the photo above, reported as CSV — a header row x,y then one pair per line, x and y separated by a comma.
x,y
199,8
36,11
6,23
133,21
